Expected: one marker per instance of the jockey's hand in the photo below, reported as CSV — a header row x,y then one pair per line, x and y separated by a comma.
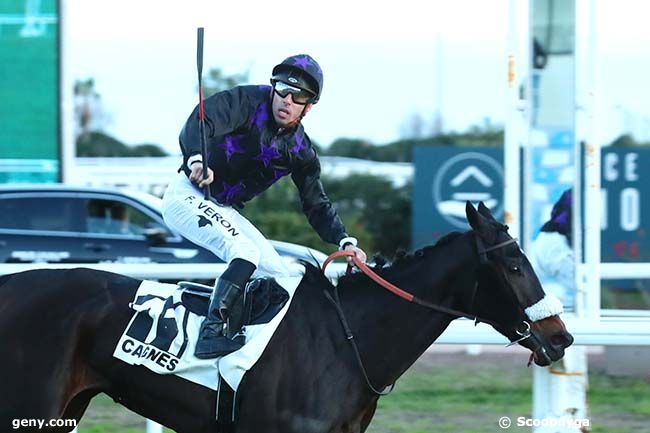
x,y
358,253
197,175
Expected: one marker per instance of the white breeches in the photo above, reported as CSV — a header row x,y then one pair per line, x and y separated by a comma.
x,y
220,229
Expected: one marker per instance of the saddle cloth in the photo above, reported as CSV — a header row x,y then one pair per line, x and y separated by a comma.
x,y
162,333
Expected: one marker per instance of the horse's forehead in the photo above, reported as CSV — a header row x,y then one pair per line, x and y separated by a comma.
x,y
530,284
529,287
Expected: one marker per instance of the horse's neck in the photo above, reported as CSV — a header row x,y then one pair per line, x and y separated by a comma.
x,y
392,333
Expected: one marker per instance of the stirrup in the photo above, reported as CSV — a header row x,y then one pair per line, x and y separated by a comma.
x,y
219,346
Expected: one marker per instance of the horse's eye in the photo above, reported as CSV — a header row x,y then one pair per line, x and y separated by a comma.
x,y
514,269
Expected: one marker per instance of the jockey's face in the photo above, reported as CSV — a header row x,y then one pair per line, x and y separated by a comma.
x,y
286,112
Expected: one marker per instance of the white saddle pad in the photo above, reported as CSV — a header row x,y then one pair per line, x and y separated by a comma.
x,y
162,334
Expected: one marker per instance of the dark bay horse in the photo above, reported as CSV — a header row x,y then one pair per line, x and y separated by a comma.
x,y
58,330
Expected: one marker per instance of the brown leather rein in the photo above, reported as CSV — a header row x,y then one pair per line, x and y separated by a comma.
x,y
369,272
404,294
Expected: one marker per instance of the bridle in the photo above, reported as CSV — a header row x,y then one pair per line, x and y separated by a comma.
x,y
526,332
482,250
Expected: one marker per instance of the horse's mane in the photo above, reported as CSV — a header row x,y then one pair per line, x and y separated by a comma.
x,y
402,259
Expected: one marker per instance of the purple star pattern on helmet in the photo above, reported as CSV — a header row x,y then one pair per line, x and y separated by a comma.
x,y
268,153
302,62
300,144
231,145
278,173
261,115
229,192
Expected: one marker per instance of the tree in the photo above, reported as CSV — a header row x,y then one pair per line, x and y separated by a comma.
x,y
98,144
217,81
350,147
90,121
401,151
94,144
277,213
379,208
147,149
372,209
88,109
626,140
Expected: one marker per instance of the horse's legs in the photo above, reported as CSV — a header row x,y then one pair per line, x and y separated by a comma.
x,y
367,416
42,409
360,423
78,405
74,410
61,392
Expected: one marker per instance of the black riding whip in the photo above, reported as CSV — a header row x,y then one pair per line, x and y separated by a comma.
x,y
199,68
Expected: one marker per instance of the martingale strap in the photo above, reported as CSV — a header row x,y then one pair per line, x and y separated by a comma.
x,y
336,302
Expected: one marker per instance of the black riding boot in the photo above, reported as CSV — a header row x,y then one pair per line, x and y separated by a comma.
x,y
219,331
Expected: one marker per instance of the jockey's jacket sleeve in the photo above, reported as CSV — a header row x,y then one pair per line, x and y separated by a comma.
x,y
315,204
224,112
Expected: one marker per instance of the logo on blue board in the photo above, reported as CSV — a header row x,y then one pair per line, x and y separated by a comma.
x,y
469,176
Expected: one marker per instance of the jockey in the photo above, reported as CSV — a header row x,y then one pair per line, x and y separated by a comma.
x,y
254,137
551,253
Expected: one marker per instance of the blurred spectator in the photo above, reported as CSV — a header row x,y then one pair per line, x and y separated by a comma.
x,y
551,253
110,218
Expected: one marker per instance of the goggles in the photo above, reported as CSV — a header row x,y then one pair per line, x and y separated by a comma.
x,y
299,96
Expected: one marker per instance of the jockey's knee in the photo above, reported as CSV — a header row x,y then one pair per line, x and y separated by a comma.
x,y
247,250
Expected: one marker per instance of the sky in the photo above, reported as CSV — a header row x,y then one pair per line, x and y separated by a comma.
x,y
383,62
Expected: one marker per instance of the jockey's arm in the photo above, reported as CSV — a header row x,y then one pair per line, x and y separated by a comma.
x,y
224,112
317,207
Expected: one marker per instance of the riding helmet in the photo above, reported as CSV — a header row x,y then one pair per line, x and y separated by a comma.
x,y
301,71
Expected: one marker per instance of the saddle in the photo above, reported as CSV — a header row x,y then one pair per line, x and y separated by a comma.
x,y
263,299
167,318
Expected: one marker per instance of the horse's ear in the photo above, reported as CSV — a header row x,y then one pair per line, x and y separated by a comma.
x,y
478,222
485,211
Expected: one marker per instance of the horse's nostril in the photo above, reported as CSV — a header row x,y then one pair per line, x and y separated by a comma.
x,y
562,340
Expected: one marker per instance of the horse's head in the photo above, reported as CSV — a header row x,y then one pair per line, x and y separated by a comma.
x,y
509,293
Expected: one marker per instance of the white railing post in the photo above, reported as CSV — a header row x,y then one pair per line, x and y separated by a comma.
x,y
516,130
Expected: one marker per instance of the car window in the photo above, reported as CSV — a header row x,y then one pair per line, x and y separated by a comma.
x,y
117,218
42,214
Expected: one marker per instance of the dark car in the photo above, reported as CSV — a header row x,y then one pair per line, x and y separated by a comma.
x,y
60,223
